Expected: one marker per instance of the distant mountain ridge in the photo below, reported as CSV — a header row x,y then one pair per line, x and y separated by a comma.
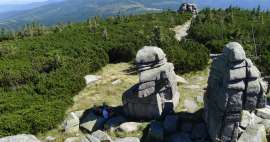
x,y
52,12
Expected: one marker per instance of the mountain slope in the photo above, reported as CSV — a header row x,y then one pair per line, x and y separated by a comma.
x,y
70,10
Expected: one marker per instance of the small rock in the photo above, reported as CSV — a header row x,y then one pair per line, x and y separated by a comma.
x,y
91,122
71,124
156,132
256,133
128,139
199,132
89,79
170,124
79,114
114,122
179,137
190,105
116,82
90,138
263,113
102,136
181,80
73,139
129,127
20,138
50,139
192,87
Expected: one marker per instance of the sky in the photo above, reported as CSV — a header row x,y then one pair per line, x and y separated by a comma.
x,y
2,2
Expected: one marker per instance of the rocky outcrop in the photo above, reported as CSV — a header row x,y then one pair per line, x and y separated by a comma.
x,y
156,94
234,85
188,7
20,138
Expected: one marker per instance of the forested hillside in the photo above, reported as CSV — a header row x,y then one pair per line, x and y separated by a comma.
x,y
215,28
41,73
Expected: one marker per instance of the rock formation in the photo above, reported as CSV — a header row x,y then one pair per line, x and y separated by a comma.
x,y
156,93
188,7
234,85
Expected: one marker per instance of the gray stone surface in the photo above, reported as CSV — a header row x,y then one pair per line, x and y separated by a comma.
x,y
255,133
248,119
266,124
129,126
50,139
181,80
90,79
73,139
234,85
20,138
263,113
72,123
170,124
101,136
190,105
156,93
91,122
90,138
188,7
128,139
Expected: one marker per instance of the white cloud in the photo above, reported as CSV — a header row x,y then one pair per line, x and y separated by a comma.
x,y
18,1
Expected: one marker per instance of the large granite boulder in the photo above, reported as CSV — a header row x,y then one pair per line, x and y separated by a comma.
x,y
156,94
189,7
234,85
20,138
255,133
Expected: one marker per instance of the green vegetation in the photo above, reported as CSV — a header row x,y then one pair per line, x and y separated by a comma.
x,y
214,28
40,73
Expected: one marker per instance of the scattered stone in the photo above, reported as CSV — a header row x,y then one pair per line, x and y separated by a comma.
x,y
102,136
199,132
114,122
170,124
92,122
50,139
20,138
79,114
232,77
89,79
263,113
90,138
181,80
193,87
129,127
190,105
128,139
156,132
116,82
73,139
255,133
156,94
72,123
179,137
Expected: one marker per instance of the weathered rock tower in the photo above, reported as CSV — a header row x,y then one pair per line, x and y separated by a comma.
x,y
156,94
234,85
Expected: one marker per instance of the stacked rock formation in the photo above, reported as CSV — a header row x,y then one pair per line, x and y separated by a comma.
x,y
156,94
188,7
234,85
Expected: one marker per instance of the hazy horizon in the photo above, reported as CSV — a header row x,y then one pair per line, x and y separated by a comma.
x,y
7,2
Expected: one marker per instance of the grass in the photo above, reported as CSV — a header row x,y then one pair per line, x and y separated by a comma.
x,y
104,92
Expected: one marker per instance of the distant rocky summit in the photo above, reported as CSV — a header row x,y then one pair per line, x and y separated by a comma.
x,y
156,94
189,7
234,85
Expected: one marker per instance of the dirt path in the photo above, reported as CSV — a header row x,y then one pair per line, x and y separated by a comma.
x,y
181,30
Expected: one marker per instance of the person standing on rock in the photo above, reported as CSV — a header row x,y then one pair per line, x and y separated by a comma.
x,y
234,85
